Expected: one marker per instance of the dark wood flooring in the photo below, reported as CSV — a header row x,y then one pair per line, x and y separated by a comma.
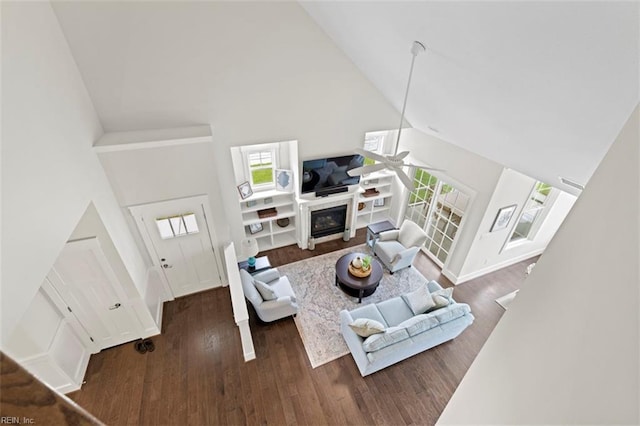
x,y
197,375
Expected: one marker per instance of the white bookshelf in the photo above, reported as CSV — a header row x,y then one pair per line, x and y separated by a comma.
x,y
370,212
272,235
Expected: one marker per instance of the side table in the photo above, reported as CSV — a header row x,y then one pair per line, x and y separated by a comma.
x,y
262,264
374,230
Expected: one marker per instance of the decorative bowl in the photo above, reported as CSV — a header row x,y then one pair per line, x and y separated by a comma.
x,y
283,222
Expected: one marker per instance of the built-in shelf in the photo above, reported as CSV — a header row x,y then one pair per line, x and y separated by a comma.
x,y
375,208
272,235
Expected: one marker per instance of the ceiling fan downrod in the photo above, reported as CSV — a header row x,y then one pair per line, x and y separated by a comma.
x,y
416,48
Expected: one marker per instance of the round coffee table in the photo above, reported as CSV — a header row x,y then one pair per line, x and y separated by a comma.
x,y
354,286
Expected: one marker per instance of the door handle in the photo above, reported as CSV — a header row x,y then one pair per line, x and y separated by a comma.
x,y
116,306
165,266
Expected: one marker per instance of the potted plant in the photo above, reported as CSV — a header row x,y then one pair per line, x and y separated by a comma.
x,y
366,263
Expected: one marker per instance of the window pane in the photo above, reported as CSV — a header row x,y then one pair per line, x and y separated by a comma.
x,y
543,188
531,212
451,231
431,231
438,237
191,223
446,244
373,142
260,159
421,221
178,225
164,228
262,176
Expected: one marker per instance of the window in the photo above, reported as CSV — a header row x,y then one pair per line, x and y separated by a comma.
x,y
373,141
437,207
532,212
261,168
175,226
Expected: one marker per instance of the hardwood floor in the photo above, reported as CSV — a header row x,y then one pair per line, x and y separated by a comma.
x,y
197,375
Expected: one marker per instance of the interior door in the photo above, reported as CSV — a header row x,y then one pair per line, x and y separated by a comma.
x,y
181,243
85,281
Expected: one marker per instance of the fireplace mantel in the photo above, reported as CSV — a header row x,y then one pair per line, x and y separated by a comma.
x,y
307,205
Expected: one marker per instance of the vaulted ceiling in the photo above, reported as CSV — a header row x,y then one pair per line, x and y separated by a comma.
x,y
541,87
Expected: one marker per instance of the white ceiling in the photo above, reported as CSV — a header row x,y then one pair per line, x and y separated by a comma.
x,y
542,87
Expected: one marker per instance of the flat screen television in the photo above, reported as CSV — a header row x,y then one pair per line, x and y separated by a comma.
x,y
330,172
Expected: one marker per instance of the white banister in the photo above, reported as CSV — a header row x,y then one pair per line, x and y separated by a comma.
x,y
240,313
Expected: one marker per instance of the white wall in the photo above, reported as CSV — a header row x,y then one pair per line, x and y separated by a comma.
x,y
469,172
257,72
487,252
567,350
90,225
158,174
34,334
49,172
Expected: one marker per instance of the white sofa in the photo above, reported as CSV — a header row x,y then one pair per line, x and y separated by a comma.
x,y
413,333
283,304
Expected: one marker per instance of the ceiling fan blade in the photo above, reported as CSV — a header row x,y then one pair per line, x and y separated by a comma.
x,y
401,155
366,169
425,167
372,155
406,180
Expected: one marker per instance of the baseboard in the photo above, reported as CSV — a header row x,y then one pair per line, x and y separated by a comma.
x,y
467,277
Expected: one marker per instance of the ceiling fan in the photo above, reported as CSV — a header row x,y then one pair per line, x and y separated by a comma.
x,y
393,162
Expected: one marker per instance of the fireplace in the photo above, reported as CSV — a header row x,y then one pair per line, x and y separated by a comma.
x,y
328,221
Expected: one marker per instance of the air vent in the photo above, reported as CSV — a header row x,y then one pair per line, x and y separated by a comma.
x,y
571,183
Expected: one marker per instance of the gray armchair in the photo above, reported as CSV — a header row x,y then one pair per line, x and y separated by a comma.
x,y
270,294
397,248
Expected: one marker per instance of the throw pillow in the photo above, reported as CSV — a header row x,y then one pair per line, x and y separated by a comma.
x,y
389,337
265,290
365,327
418,324
419,300
451,312
442,298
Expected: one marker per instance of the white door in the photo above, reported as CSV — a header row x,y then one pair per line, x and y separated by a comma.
x,y
83,277
180,242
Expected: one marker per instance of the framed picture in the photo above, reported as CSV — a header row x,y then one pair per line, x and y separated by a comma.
x,y
245,190
284,180
378,202
254,228
503,217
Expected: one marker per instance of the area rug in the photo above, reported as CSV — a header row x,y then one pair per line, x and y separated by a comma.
x,y
320,301
506,300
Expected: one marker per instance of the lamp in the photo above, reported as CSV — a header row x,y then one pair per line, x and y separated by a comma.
x,y
249,247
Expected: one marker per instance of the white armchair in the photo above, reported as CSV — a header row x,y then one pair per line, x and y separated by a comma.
x,y
270,294
397,248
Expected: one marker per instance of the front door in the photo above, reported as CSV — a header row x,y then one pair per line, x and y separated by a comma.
x,y
180,241
85,281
